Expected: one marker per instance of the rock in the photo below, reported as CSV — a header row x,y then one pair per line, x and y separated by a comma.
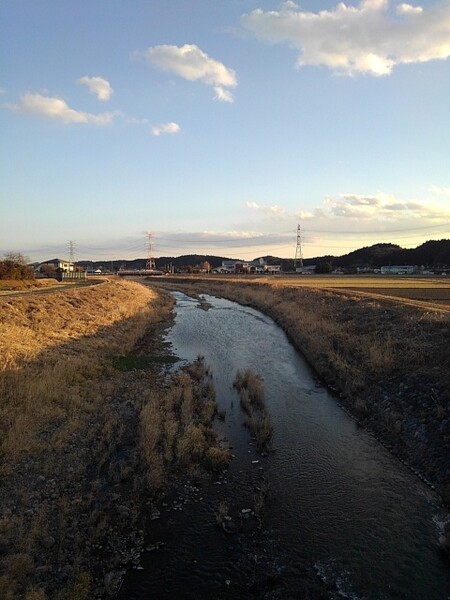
x,y
229,526
48,541
110,581
123,511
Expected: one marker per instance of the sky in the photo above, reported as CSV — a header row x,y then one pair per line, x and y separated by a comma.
x,y
219,127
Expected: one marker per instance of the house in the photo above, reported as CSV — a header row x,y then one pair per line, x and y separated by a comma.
x,y
273,269
306,270
56,264
398,270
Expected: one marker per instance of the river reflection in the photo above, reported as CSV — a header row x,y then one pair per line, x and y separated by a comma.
x,y
344,518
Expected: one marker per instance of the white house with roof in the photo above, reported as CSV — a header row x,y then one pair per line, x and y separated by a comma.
x,y
57,264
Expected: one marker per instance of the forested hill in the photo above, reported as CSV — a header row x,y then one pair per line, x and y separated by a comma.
x,y
433,254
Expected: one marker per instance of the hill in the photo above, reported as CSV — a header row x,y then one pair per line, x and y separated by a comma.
x,y
432,254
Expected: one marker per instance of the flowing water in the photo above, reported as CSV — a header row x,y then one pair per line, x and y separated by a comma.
x,y
343,518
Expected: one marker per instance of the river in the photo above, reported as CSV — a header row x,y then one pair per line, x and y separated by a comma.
x,y
343,518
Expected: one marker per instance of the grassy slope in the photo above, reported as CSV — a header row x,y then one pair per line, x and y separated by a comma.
x,y
61,424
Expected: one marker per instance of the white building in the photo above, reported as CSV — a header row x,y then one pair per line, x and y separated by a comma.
x,y
398,270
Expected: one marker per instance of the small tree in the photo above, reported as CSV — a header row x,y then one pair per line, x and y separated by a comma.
x,y
323,267
48,270
14,266
206,267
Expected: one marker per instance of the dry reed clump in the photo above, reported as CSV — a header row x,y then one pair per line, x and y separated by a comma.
x,y
251,392
176,427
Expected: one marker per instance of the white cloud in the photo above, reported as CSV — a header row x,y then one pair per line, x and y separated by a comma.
x,y
2,91
440,191
274,210
223,95
97,86
191,63
165,128
58,109
366,38
407,9
384,207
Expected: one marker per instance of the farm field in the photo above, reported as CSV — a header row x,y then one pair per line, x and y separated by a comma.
x,y
421,290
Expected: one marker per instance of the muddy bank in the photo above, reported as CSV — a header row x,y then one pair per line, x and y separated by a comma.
x,y
388,363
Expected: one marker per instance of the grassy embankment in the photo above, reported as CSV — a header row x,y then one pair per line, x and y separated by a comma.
x,y
87,426
389,361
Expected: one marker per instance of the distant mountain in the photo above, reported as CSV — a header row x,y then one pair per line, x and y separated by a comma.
x,y
432,255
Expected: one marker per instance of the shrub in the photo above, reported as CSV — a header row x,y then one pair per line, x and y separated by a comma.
x,y
217,458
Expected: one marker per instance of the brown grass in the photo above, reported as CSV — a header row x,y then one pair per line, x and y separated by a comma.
x,y
59,409
176,426
52,350
251,392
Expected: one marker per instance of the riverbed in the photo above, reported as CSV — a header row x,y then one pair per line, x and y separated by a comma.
x,y
329,512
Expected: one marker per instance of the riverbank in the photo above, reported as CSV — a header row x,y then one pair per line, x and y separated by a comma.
x,y
387,362
87,436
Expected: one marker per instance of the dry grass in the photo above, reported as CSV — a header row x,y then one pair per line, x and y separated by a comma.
x,y
61,408
176,426
52,350
251,392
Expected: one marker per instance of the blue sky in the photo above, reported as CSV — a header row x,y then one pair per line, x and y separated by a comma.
x,y
219,126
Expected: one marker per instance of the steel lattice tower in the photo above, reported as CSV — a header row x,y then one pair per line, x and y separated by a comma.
x,y
150,264
298,260
71,246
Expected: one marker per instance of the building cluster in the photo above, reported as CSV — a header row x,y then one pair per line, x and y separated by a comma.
x,y
257,266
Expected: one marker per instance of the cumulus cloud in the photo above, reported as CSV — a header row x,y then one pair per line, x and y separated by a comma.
x,y
97,86
366,38
192,64
165,128
58,109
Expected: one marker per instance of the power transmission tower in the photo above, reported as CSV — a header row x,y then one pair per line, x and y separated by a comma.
x,y
71,245
298,260
150,265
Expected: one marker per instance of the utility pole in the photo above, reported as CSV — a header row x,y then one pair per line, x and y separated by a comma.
x,y
150,265
298,260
